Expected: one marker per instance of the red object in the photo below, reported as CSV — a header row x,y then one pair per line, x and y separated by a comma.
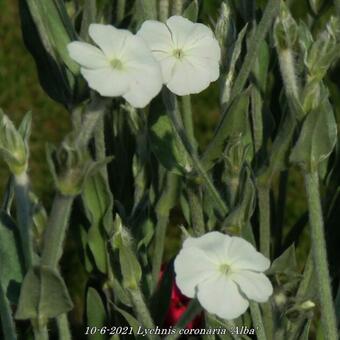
x,y
178,305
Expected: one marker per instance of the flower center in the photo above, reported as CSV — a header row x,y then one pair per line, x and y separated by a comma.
x,y
116,64
225,268
178,53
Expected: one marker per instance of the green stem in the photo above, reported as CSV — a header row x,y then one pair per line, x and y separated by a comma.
x,y
7,322
163,10
163,208
319,250
120,10
177,7
337,6
142,311
263,194
257,321
24,217
56,230
40,331
188,120
63,327
149,9
195,203
190,313
193,191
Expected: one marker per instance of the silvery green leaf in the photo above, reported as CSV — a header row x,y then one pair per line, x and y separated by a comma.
x,y
95,312
46,32
227,80
132,321
25,126
235,124
170,153
43,295
191,11
97,244
317,138
11,258
316,5
286,263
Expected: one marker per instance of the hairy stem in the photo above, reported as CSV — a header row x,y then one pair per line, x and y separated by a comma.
x,y
142,311
63,327
56,230
163,208
264,211
120,10
24,216
257,321
319,251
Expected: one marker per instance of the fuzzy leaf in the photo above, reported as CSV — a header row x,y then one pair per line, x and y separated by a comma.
x,y
43,295
95,312
317,137
285,263
167,149
131,320
191,11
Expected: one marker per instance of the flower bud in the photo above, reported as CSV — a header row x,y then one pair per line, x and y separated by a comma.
x,y
285,29
13,147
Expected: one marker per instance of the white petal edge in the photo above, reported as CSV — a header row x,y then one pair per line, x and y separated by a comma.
x,y
244,256
256,286
181,29
87,55
111,40
192,266
221,296
213,244
156,35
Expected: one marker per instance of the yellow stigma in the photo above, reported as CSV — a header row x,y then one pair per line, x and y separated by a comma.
x,y
178,53
116,64
225,268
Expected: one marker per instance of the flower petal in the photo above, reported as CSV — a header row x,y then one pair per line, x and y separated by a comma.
x,y
256,286
244,256
222,297
188,77
192,266
110,39
181,29
156,35
211,66
107,81
213,244
87,55
145,83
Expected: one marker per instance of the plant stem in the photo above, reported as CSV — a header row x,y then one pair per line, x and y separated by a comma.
x,y
24,217
40,331
56,230
120,10
263,194
163,10
193,191
194,308
63,327
177,7
163,208
7,322
320,256
257,321
142,311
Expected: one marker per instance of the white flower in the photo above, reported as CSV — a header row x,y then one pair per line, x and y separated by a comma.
x,y
122,65
188,53
223,272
